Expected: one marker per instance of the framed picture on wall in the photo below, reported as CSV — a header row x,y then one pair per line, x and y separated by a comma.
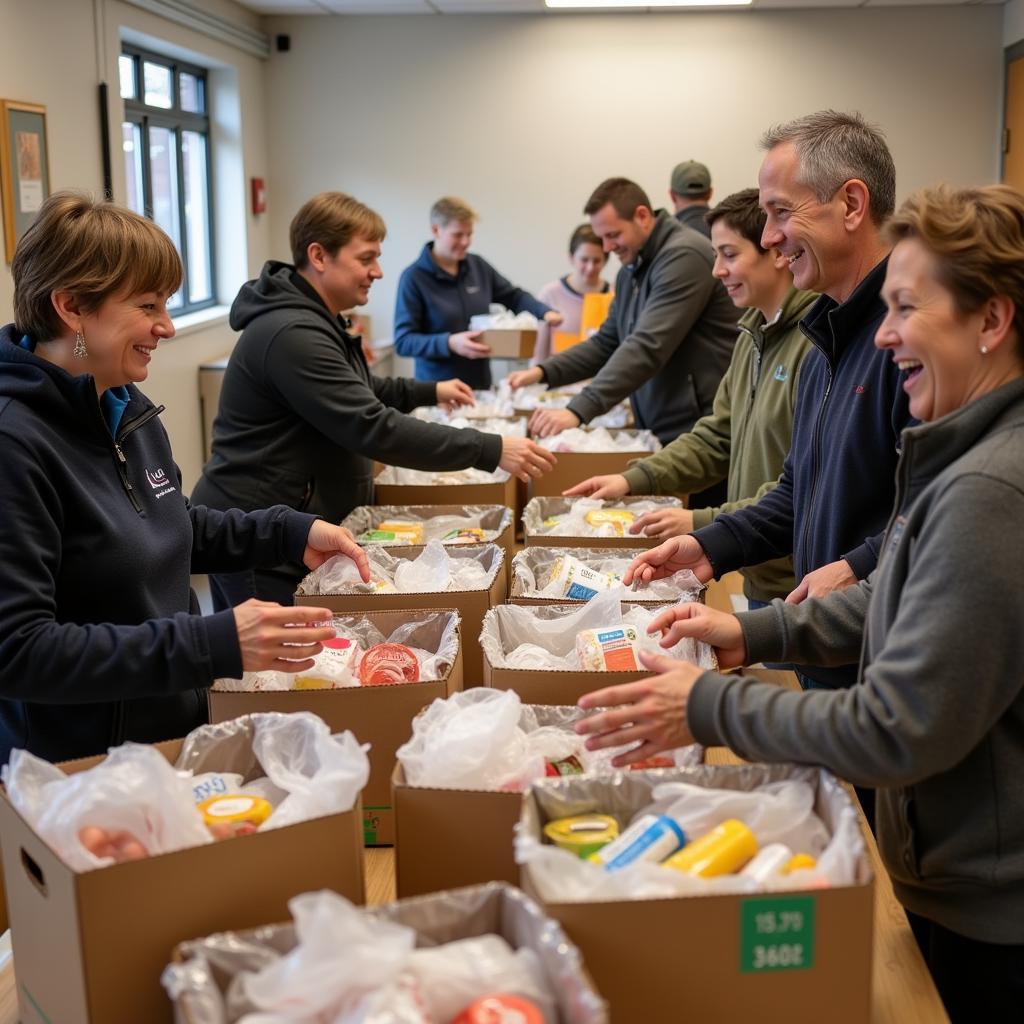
x,y
24,167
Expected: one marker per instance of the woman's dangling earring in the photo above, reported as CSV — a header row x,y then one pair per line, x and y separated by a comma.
x,y
80,351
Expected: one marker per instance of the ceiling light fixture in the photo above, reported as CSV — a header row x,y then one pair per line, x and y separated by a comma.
x,y
624,4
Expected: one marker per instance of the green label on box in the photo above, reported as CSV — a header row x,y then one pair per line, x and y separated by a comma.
x,y
777,934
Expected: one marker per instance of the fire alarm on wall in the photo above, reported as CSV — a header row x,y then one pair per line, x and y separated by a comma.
x,y
259,195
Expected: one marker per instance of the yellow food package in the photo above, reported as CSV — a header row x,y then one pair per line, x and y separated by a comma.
x,y
617,518
723,850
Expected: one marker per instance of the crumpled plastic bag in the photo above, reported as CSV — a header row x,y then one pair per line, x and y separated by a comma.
x,y
461,418
484,739
534,396
350,968
532,637
533,574
135,789
499,318
570,519
780,811
589,439
434,663
439,478
434,569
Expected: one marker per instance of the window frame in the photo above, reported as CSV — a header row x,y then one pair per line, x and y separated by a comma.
x,y
177,121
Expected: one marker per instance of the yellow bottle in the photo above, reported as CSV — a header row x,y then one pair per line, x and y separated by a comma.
x,y
798,861
723,850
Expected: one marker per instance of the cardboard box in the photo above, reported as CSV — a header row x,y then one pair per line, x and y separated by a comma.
x,y
499,492
555,686
510,344
794,957
574,467
493,909
539,559
378,715
493,518
539,509
90,946
452,837
471,605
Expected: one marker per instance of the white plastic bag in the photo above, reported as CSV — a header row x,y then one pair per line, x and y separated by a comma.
x,y
135,790
599,439
429,571
322,774
343,958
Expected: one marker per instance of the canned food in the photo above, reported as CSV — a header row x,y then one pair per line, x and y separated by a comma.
x,y
389,663
582,834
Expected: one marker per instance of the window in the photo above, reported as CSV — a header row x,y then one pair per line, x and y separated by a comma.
x,y
166,140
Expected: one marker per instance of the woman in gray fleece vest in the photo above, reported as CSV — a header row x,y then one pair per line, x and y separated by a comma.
x,y
936,721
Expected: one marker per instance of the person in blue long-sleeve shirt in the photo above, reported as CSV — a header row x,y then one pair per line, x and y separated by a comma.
x,y
444,288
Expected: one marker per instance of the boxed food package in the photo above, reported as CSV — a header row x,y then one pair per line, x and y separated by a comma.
x,y
405,525
591,451
396,486
439,949
543,575
485,562
458,782
379,715
90,941
590,522
554,654
727,941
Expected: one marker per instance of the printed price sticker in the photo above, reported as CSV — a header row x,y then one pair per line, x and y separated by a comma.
x,y
777,934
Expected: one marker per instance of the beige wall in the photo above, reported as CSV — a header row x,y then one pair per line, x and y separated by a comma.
x,y
56,53
1013,22
523,115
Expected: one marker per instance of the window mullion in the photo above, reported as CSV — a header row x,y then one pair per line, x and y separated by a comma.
x,y
182,220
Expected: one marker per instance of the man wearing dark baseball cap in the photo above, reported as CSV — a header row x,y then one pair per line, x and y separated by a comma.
x,y
690,190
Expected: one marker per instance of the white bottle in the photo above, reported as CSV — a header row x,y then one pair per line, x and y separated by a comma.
x,y
652,837
767,863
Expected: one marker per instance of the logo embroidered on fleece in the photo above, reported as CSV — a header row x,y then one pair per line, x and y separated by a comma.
x,y
160,482
781,373
859,389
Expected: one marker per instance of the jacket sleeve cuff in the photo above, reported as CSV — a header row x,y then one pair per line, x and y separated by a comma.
x,y
862,561
222,643
703,517
296,530
720,547
763,634
424,392
639,480
701,709
585,408
490,452
549,373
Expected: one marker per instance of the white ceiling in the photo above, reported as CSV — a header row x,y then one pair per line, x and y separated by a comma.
x,y
535,6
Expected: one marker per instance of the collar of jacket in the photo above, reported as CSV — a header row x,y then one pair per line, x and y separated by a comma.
x,y
664,226
55,392
302,285
929,448
427,262
831,325
794,305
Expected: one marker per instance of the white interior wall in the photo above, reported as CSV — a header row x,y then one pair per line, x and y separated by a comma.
x,y
523,115
1013,22
56,53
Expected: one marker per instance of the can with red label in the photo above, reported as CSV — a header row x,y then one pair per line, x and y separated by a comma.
x,y
501,1009
389,663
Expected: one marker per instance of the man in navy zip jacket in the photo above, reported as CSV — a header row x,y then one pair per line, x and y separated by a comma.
x,y
444,288
827,184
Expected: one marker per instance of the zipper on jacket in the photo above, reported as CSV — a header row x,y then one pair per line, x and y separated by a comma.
x,y
122,462
815,461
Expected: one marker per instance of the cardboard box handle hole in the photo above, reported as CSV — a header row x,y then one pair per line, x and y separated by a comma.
x,y
34,872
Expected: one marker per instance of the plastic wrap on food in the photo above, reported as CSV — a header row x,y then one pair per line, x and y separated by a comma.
x,y
544,636
461,418
439,478
432,638
600,439
436,568
490,404
203,970
452,525
804,807
578,574
589,517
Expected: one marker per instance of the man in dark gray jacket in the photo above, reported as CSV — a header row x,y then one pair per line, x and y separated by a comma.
x,y
668,336
302,418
